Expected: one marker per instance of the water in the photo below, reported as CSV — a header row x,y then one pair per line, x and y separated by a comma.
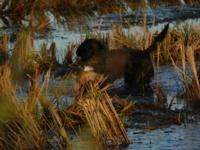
x,y
156,16
85,141
174,137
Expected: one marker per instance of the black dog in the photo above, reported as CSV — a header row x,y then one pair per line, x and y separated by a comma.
x,y
134,65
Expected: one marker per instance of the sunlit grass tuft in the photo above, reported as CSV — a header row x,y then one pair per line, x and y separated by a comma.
x,y
23,53
104,122
20,122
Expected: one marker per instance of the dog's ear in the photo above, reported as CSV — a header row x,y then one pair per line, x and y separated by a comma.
x,y
84,51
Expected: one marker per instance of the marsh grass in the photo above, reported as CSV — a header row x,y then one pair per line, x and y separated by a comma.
x,y
18,128
46,58
101,116
195,81
70,53
32,122
187,43
15,12
4,40
23,53
20,122
24,56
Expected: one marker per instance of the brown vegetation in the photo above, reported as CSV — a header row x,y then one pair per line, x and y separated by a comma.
x,y
14,12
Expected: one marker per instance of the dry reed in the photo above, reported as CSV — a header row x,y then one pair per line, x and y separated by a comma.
x,y
20,126
187,42
22,56
16,11
96,104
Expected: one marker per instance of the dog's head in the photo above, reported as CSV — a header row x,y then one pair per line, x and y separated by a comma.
x,y
88,49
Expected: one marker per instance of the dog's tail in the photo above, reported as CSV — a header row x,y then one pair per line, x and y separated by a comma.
x,y
158,39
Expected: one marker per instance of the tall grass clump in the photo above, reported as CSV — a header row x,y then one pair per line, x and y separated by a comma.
x,y
46,58
23,124
101,116
18,128
22,56
195,90
187,43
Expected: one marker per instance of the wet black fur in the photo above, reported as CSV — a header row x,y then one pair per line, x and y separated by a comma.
x,y
88,48
3,57
134,65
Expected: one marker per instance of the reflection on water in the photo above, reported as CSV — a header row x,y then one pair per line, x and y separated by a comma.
x,y
174,137
85,141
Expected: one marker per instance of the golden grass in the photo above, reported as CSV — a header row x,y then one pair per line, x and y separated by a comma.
x,y
195,83
20,126
3,43
22,56
46,58
188,44
70,52
105,124
21,121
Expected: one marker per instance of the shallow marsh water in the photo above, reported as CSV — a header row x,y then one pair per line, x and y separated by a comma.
x,y
181,137
172,138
